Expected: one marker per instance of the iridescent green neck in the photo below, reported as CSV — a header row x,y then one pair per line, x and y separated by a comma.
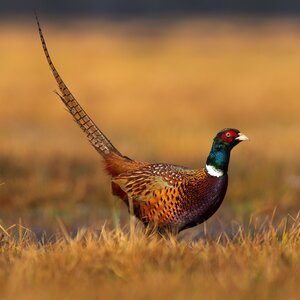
x,y
218,159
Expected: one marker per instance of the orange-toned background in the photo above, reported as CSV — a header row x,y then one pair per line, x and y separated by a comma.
x,y
160,91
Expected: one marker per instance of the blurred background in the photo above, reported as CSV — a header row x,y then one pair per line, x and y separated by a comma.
x,y
160,79
116,8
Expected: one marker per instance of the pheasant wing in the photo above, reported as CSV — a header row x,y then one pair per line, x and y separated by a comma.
x,y
157,191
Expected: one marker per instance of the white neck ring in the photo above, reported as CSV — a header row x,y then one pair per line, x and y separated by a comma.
x,y
211,170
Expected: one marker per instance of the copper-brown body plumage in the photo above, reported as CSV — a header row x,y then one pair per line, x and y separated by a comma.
x,y
171,196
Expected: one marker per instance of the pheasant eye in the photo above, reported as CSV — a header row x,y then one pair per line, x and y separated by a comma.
x,y
227,136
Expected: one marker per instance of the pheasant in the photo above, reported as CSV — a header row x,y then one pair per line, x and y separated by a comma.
x,y
169,197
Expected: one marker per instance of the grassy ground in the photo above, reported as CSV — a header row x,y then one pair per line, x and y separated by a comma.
x,y
260,263
160,91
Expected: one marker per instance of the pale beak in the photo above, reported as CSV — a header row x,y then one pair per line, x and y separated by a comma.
x,y
242,137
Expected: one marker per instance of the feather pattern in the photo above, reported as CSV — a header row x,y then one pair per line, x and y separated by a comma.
x,y
94,135
171,196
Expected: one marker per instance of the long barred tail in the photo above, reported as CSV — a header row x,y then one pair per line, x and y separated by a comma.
x,y
98,140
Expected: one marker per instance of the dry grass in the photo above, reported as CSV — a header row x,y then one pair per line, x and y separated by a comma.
x,y
160,91
258,261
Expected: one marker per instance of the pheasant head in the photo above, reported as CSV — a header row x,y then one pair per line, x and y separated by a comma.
x,y
218,158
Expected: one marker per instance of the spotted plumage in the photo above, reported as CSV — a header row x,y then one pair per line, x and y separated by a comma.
x,y
163,195
171,196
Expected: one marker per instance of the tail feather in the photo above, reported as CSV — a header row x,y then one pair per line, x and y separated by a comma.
x,y
95,136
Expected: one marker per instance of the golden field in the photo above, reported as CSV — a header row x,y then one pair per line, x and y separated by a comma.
x,y
160,90
112,265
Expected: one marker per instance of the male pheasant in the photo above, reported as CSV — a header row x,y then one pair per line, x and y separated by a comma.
x,y
169,197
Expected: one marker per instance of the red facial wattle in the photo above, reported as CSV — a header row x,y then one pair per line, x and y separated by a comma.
x,y
229,136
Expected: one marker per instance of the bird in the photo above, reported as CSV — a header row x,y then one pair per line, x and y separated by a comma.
x,y
163,196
